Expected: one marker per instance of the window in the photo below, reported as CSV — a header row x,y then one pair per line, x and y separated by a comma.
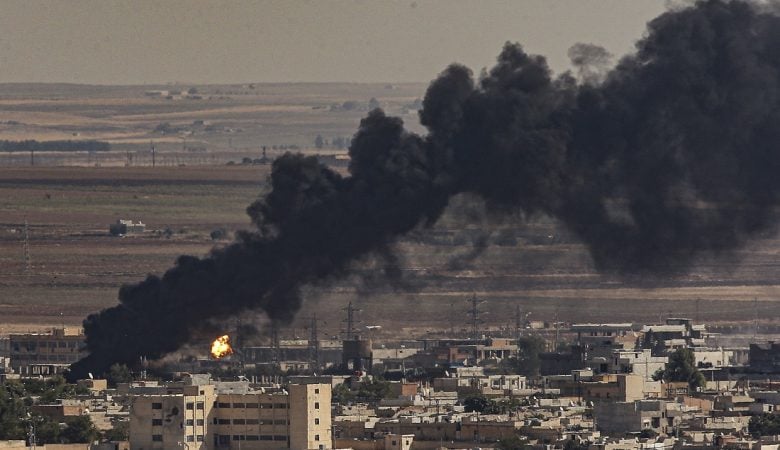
x,y
280,405
252,405
239,437
157,437
252,421
252,437
200,438
238,405
317,390
156,422
316,405
266,437
199,405
239,421
190,405
280,422
190,438
223,405
224,421
156,405
280,438
190,422
317,422
266,406
317,438
200,422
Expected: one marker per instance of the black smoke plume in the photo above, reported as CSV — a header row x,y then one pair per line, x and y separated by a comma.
x,y
673,154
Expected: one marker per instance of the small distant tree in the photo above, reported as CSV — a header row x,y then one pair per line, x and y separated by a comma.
x,y
119,432
218,234
648,433
481,404
512,442
682,367
192,91
342,394
764,425
79,430
373,104
319,142
374,390
119,373
528,350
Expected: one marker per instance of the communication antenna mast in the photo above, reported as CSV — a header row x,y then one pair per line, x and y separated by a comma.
x,y
755,318
350,321
314,343
275,340
26,246
475,313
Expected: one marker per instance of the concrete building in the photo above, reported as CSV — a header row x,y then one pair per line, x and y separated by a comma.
x,y
678,333
639,362
614,388
633,417
40,354
199,415
765,358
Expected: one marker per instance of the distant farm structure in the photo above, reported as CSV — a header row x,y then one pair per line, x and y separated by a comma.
x,y
123,227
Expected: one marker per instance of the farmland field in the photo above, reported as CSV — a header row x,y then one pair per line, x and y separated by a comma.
x,y
75,267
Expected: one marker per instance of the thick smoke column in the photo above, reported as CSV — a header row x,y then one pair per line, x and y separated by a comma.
x,y
673,154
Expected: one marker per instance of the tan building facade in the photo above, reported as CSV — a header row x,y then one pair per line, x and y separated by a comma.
x,y
199,417
46,353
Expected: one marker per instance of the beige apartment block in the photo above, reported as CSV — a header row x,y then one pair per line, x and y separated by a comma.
x,y
203,417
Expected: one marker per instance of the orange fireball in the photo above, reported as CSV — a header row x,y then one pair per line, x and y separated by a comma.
x,y
221,347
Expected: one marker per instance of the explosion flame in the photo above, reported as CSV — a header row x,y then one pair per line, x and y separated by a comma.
x,y
221,347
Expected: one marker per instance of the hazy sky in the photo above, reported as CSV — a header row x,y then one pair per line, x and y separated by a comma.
x,y
198,41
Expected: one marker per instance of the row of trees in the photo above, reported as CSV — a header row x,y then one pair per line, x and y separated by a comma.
x,y
54,146
17,416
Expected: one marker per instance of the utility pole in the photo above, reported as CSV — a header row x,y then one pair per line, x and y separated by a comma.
x,y
314,344
350,321
475,313
557,327
275,340
26,248
153,153
755,318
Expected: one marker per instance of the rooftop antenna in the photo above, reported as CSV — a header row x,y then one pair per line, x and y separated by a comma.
x,y
153,153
